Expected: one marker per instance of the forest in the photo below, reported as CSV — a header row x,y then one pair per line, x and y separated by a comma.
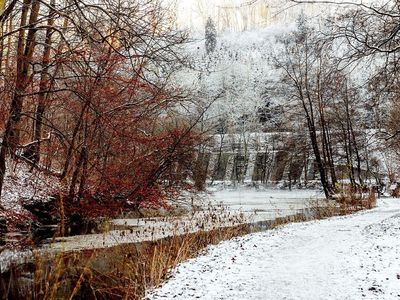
x,y
113,108
87,99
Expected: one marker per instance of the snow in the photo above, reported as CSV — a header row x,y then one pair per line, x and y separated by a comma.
x,y
223,208
240,67
268,204
21,184
8,258
352,257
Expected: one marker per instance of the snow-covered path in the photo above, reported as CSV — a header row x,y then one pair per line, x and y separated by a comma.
x,y
352,257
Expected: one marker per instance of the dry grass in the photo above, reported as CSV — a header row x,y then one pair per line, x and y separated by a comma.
x,y
346,204
350,201
122,272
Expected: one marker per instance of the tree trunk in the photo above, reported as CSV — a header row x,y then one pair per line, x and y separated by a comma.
x,y
308,109
318,159
25,51
34,150
77,171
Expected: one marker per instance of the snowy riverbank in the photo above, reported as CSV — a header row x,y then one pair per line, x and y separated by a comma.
x,y
351,257
221,208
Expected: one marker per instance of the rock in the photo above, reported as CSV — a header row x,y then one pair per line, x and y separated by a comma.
x,y
44,211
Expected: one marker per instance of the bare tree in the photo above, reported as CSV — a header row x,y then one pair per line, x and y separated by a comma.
x,y
93,80
304,77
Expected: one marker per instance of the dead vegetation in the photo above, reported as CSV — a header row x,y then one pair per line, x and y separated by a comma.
x,y
122,272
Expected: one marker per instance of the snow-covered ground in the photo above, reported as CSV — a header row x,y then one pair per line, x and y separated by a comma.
x,y
23,184
352,257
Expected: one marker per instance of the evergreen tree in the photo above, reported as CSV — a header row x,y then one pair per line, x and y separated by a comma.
x,y
211,36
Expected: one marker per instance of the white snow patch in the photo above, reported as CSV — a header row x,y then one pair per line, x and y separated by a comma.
x,y
22,184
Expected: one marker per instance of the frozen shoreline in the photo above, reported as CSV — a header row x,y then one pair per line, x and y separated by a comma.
x,y
224,208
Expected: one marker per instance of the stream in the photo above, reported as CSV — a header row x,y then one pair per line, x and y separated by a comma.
x,y
223,208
